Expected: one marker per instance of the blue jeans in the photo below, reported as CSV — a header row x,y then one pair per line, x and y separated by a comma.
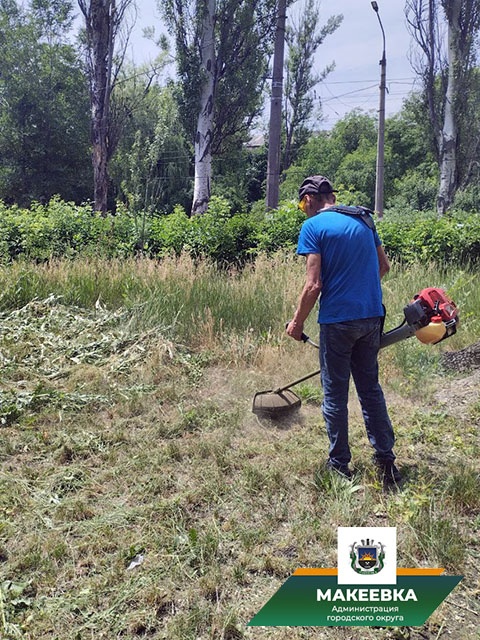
x,y
352,348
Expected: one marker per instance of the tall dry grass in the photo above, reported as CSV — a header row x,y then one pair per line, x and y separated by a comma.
x,y
199,304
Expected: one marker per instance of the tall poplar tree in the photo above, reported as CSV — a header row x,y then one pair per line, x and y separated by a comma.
x,y
103,22
448,76
303,37
222,51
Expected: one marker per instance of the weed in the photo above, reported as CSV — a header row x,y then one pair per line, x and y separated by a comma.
x,y
425,427
12,602
439,538
462,488
310,394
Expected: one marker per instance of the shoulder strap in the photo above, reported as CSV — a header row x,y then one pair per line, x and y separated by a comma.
x,y
364,213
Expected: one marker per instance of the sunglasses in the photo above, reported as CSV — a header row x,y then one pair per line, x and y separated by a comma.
x,y
302,205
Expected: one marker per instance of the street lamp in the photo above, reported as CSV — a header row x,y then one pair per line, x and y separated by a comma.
x,y
381,124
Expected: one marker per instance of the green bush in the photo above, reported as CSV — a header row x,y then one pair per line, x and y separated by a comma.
x,y
168,234
279,228
62,229
225,237
218,234
10,233
425,237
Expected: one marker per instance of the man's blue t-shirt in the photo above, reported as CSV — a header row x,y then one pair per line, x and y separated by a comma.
x,y
349,265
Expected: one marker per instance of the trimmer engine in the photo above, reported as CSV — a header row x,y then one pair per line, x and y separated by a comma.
x,y
431,316
432,306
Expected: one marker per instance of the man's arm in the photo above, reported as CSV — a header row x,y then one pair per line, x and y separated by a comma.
x,y
383,262
308,297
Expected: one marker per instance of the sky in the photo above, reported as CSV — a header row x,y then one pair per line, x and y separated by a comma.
x,y
356,48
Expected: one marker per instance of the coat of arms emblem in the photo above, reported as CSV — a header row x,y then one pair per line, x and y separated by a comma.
x,y
367,557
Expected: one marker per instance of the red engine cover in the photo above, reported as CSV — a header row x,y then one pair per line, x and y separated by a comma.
x,y
437,303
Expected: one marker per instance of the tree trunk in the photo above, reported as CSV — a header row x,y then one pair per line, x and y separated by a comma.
x,y
448,139
100,175
203,138
99,18
102,22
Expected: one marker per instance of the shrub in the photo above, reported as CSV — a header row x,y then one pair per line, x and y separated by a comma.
x,y
62,229
280,227
425,237
218,234
168,234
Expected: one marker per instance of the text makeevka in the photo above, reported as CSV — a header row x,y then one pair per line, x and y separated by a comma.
x,y
367,595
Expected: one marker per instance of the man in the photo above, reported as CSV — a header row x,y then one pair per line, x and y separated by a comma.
x,y
345,263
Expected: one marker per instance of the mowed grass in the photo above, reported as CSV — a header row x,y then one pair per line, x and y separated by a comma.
x,y
140,496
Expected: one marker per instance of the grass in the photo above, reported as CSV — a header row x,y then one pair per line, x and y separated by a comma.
x,y
141,498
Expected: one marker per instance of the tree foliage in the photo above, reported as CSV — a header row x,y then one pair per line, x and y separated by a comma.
x,y
44,105
153,123
346,154
152,162
447,68
303,37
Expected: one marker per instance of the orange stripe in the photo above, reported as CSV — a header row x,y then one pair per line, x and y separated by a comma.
x,y
334,572
419,572
316,572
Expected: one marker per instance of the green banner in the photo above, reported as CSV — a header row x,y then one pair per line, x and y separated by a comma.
x,y
315,600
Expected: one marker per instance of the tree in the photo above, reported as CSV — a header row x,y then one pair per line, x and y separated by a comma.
x,y
103,22
303,37
222,51
447,77
346,154
150,167
44,116
412,168
203,137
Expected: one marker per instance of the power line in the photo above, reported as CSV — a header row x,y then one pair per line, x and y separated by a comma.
x,y
324,82
348,93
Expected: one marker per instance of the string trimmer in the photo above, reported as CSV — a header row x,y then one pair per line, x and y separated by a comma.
x,y
431,317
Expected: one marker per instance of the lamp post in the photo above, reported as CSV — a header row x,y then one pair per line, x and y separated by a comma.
x,y
381,124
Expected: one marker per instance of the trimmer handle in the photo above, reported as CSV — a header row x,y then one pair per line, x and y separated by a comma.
x,y
304,336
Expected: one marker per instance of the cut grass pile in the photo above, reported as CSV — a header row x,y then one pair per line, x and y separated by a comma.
x,y
141,498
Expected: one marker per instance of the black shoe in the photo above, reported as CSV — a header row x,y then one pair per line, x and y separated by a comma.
x,y
389,474
342,470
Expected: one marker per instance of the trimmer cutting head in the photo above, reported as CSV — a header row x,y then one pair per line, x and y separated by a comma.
x,y
275,403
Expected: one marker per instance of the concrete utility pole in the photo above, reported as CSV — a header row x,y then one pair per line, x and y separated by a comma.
x,y
275,127
381,124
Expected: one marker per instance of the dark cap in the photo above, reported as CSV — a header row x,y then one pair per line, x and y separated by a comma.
x,y
314,185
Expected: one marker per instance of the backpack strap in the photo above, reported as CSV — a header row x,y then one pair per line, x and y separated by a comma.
x,y
364,213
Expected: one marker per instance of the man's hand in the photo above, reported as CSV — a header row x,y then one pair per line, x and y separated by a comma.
x,y
295,330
